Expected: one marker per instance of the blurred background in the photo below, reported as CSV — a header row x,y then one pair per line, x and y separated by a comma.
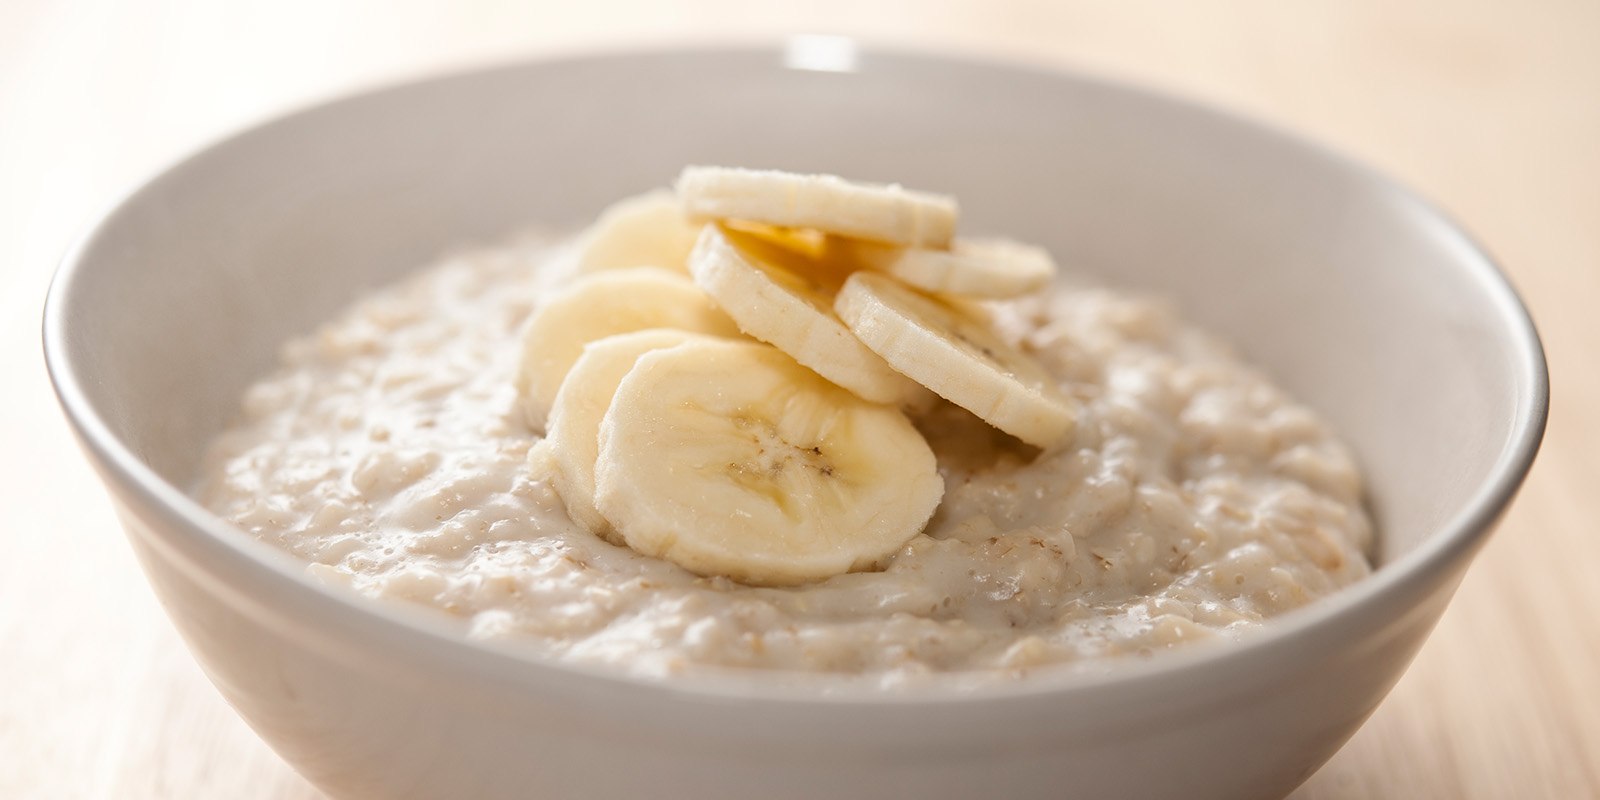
x,y
1490,108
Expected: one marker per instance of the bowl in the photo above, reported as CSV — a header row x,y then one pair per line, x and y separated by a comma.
x,y
1353,293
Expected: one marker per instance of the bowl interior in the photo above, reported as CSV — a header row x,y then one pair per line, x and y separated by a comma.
x,y
1351,293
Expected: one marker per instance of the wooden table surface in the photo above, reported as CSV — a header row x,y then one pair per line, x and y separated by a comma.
x,y
1491,108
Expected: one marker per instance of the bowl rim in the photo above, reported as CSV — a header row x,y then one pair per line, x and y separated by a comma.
x,y
1401,581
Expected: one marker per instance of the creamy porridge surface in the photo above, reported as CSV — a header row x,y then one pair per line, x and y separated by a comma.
x,y
1195,500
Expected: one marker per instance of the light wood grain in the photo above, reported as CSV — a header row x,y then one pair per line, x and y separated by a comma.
x,y
1491,108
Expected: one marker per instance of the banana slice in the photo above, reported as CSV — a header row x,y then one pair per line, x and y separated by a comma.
x,y
782,297
951,350
600,305
728,458
647,230
573,438
971,267
877,212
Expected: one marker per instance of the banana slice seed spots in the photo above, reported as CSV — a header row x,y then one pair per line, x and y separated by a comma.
x,y
820,464
784,478
776,462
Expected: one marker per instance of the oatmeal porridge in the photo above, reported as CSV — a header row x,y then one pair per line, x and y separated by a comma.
x,y
1183,498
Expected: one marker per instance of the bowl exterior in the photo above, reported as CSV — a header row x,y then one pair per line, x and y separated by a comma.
x,y
364,719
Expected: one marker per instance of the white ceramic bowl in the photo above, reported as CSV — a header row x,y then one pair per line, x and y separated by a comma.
x,y
1354,294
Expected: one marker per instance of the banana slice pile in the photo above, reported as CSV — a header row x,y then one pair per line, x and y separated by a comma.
x,y
748,419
